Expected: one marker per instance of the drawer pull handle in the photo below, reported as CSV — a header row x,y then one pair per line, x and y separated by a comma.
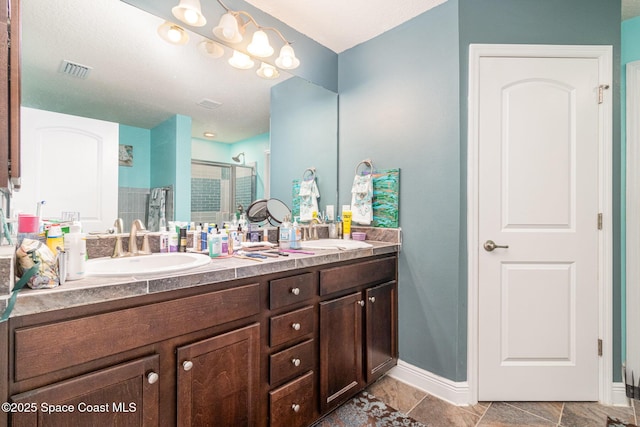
x,y
295,291
372,299
152,377
187,365
296,326
296,362
295,407
361,302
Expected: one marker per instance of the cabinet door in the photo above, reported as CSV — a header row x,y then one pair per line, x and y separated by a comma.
x,y
123,395
340,349
381,330
218,380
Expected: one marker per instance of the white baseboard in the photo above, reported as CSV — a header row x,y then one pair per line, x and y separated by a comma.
x,y
456,393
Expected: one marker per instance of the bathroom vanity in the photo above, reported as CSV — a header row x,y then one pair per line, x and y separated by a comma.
x,y
276,343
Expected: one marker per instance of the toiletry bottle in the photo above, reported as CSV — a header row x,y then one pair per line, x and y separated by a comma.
x,y
164,240
196,238
183,240
75,243
294,242
346,225
285,234
174,240
339,228
224,242
214,244
203,237
55,239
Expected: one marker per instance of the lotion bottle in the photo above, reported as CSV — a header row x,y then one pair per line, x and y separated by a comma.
x,y
75,243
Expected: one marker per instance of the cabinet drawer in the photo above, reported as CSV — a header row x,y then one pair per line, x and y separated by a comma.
x,y
291,362
349,276
292,404
40,349
291,326
290,290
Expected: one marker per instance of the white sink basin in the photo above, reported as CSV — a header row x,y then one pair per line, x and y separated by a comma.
x,y
334,244
145,264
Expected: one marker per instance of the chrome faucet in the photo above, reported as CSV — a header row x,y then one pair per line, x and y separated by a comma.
x,y
136,226
117,250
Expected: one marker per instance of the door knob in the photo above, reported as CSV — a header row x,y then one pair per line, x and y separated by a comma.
x,y
490,245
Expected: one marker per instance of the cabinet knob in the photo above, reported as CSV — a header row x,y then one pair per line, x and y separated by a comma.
x,y
295,407
152,377
361,302
295,361
187,365
296,326
295,291
372,299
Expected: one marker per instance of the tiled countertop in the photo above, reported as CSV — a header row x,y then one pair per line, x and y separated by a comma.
x,y
92,290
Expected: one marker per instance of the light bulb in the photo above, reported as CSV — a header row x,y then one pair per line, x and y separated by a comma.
x,y
191,16
268,72
228,33
287,61
174,34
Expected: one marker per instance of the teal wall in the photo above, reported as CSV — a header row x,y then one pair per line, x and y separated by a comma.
x,y
403,102
630,53
304,133
170,153
136,176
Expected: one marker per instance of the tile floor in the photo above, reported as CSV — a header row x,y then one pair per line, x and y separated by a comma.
x,y
437,413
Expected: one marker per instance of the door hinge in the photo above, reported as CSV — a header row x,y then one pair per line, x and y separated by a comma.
x,y
599,347
601,89
599,221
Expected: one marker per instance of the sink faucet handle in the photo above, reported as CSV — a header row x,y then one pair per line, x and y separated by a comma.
x,y
119,225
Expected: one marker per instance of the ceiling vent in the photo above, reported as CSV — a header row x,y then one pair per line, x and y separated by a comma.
x,y
73,69
209,104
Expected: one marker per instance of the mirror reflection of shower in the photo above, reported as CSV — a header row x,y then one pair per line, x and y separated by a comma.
x,y
237,158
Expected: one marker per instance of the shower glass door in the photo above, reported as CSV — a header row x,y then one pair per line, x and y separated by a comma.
x,y
219,190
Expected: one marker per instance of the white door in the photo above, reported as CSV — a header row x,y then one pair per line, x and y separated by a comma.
x,y
538,163
71,163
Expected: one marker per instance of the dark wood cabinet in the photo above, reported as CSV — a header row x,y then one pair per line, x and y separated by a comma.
x,y
381,330
281,349
340,349
122,395
218,380
358,331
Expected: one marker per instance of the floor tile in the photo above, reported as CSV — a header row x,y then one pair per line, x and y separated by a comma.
x,y
438,413
550,411
396,394
592,414
501,414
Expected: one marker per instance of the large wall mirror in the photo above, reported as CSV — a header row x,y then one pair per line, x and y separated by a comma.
x,y
104,60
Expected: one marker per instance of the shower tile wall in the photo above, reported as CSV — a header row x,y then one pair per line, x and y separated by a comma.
x,y
132,204
210,186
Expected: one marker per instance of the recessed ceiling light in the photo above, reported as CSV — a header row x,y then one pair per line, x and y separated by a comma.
x,y
209,134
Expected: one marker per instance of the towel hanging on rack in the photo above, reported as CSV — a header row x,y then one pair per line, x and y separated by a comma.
x,y
309,194
362,195
157,209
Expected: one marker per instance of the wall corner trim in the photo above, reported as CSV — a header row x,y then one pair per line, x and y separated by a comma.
x,y
456,393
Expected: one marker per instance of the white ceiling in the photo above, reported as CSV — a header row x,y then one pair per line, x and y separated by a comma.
x,y
139,80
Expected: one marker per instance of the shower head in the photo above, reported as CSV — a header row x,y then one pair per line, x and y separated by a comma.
x,y
237,158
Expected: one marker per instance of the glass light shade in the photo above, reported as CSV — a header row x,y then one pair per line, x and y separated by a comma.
x,y
210,49
240,60
227,29
189,12
267,71
173,33
287,59
259,45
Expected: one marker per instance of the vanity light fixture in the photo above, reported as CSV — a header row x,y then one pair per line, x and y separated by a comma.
x,y
189,12
241,61
267,71
173,33
210,49
230,29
